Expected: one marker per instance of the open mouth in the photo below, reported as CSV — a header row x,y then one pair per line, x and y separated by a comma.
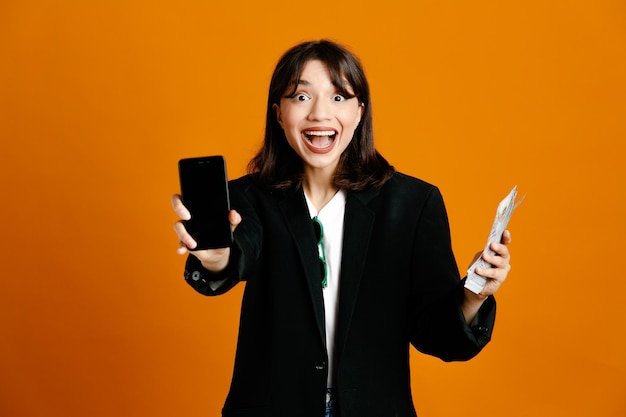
x,y
320,138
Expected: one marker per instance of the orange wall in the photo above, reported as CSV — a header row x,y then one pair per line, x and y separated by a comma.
x,y
99,99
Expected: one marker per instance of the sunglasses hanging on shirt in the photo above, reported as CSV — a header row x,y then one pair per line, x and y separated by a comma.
x,y
319,236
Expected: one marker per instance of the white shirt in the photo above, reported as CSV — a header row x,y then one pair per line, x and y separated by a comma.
x,y
331,216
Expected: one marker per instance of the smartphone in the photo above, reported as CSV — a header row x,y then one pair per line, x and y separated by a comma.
x,y
204,192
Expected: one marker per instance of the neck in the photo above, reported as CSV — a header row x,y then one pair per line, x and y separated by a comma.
x,y
319,189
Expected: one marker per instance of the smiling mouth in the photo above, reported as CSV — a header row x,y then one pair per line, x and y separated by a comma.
x,y
320,138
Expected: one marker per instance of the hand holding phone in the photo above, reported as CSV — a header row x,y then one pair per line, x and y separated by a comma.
x,y
204,193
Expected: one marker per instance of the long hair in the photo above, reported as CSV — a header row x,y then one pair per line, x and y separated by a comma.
x,y
277,166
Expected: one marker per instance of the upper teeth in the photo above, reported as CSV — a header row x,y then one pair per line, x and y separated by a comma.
x,y
319,132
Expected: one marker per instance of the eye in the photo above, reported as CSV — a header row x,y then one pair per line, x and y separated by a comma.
x,y
338,97
300,97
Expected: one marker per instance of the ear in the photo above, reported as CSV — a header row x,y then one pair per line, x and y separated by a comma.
x,y
279,119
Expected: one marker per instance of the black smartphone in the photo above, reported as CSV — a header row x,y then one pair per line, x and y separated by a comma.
x,y
204,191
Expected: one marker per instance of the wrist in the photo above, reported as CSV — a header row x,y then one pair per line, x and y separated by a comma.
x,y
473,298
215,267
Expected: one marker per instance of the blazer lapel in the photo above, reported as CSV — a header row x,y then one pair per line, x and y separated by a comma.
x,y
358,222
296,214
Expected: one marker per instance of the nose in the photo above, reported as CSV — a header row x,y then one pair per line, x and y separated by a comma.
x,y
320,110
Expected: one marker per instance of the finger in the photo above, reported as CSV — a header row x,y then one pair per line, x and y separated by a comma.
x,y
179,208
183,237
494,274
485,272
494,261
498,260
506,238
182,249
234,218
500,250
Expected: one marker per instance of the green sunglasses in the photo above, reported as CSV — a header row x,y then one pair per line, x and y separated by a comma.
x,y
319,234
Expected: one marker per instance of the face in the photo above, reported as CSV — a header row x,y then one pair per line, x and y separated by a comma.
x,y
318,120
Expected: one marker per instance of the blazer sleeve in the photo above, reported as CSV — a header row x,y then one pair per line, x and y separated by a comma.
x,y
245,249
438,325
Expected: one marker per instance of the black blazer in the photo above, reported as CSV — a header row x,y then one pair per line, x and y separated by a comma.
x,y
399,284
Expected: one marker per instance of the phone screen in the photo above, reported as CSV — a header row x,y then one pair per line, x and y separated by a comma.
x,y
204,191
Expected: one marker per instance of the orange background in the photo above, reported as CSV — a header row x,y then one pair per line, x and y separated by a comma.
x,y
99,99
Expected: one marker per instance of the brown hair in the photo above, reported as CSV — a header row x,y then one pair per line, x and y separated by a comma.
x,y
277,165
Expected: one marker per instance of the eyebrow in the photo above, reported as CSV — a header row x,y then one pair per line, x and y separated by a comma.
x,y
345,84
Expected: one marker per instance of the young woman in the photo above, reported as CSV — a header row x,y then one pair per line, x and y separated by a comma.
x,y
346,261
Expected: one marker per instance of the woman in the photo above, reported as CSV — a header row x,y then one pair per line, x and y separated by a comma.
x,y
346,261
